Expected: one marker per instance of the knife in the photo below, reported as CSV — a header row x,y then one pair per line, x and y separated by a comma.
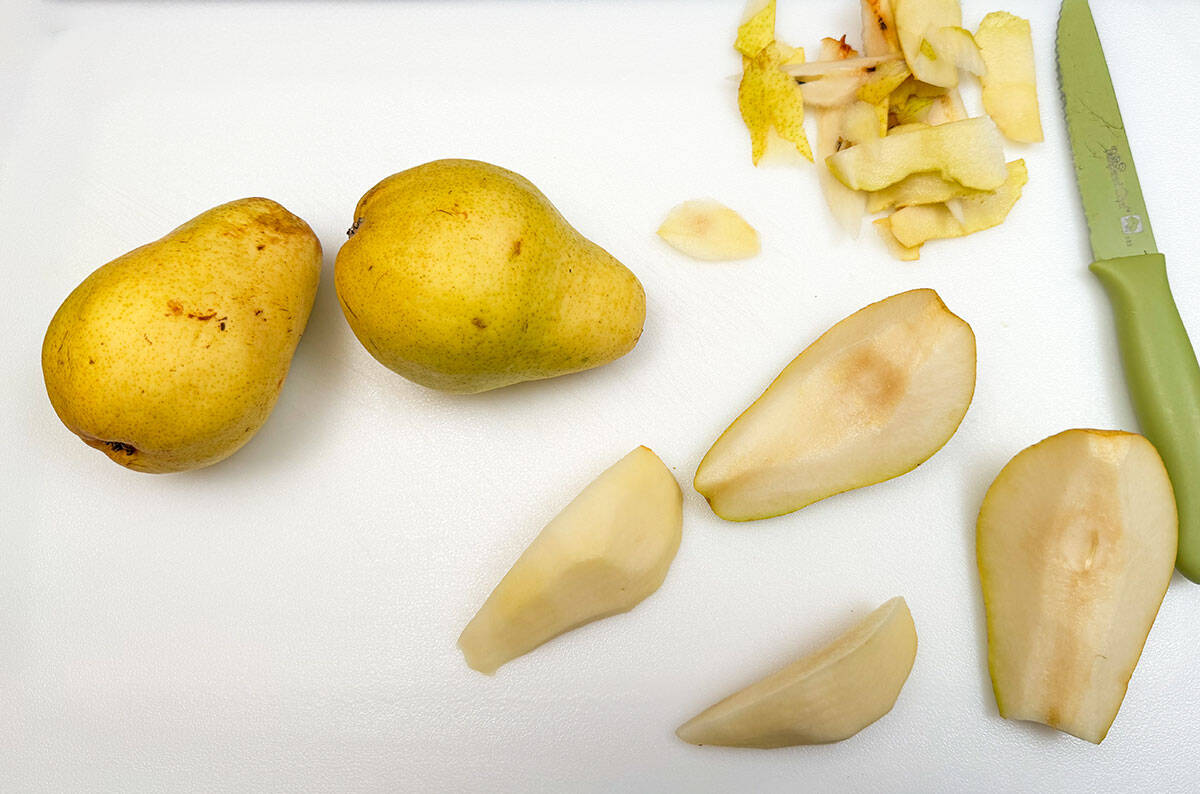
x,y
1160,365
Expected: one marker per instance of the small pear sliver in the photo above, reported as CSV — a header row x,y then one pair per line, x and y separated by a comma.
x,y
708,230
603,554
824,697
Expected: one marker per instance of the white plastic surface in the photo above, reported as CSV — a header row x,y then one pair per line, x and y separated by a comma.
x,y
286,620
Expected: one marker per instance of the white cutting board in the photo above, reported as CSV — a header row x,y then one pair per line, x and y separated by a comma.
x,y
286,620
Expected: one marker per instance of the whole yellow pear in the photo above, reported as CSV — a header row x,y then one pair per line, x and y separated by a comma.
x,y
171,357
462,276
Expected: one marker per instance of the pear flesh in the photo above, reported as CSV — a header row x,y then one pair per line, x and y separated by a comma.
x,y
172,356
1076,545
824,697
871,399
462,276
603,554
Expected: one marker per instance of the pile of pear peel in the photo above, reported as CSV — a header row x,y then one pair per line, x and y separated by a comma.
x,y
892,130
1076,537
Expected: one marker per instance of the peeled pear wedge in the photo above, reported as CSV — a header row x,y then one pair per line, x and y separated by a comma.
x,y
970,152
873,398
824,697
1076,545
603,554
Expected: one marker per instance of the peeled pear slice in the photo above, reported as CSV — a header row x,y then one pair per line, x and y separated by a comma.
x,y
879,28
708,230
1076,545
871,399
602,555
1009,84
914,20
824,697
979,210
970,152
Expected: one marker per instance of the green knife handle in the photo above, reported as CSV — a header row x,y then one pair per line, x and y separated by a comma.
x,y
1164,381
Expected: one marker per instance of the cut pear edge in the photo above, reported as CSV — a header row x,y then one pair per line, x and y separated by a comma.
x,y
1075,545
707,230
603,554
872,398
825,696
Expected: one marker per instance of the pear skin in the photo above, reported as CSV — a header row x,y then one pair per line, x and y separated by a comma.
x,y
462,276
172,356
